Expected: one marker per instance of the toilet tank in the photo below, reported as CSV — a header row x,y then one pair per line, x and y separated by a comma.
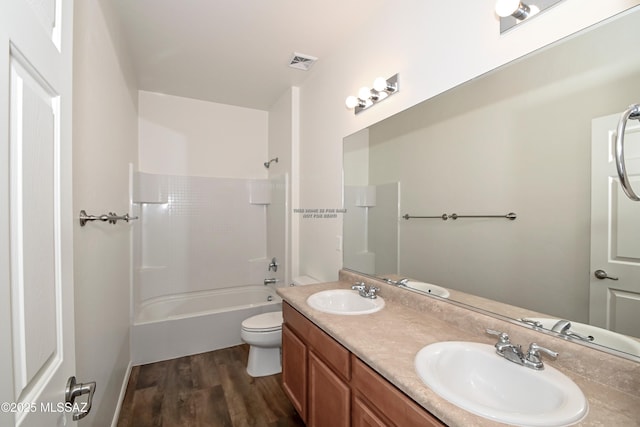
x,y
304,280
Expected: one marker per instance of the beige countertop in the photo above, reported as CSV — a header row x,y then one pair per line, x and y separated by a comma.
x,y
389,340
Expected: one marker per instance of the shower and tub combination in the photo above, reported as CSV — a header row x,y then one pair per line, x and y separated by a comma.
x,y
200,261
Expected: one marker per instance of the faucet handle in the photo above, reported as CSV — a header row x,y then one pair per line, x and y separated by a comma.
x,y
502,336
535,349
532,358
532,322
358,286
371,292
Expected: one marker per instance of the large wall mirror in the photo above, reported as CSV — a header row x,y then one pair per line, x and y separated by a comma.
x,y
534,138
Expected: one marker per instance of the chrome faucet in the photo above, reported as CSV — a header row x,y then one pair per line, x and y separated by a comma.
x,y
366,291
513,352
401,282
273,265
563,327
270,281
532,322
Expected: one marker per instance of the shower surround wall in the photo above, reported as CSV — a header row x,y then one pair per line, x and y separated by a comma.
x,y
199,233
210,221
200,250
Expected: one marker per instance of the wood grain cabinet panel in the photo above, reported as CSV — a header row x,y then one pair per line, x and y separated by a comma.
x,y
364,416
294,370
329,396
387,399
328,349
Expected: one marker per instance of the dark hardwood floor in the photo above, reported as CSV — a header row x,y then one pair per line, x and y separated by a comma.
x,y
208,389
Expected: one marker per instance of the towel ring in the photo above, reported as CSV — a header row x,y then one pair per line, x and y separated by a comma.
x,y
633,112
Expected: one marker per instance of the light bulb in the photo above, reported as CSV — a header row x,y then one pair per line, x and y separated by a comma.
x,y
380,84
364,93
505,8
352,102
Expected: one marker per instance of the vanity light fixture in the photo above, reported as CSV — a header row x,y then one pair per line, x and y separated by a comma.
x,y
382,89
514,8
513,12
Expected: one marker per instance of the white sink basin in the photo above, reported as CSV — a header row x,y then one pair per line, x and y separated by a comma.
x,y
600,336
428,288
344,301
473,377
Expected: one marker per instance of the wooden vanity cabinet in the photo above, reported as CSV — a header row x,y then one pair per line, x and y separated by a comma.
x,y
294,370
329,396
329,386
315,372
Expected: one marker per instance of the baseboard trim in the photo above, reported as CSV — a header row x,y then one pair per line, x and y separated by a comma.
x,y
123,391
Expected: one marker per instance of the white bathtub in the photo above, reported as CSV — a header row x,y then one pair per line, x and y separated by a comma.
x,y
179,325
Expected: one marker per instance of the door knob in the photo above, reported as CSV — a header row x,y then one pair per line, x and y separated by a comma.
x,y
74,390
601,274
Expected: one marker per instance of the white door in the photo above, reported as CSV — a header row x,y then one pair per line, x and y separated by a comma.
x,y
615,230
36,282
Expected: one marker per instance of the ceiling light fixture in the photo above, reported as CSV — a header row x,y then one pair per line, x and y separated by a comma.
x,y
382,89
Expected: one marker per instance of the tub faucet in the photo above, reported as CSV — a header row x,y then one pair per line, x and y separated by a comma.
x,y
273,265
270,281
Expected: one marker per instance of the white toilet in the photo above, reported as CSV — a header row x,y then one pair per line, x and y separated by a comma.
x,y
263,332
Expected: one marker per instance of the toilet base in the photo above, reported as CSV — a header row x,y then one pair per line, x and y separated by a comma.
x,y
264,361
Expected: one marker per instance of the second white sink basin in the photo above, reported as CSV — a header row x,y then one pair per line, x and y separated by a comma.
x,y
344,301
428,288
473,377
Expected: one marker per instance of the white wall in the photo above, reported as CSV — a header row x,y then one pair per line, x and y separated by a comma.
x,y
104,143
184,136
434,46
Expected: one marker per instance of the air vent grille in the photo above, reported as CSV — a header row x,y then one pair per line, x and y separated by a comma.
x,y
302,61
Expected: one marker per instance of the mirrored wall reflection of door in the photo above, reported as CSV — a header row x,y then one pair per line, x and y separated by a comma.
x,y
615,231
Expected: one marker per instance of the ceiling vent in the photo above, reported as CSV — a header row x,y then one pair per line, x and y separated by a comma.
x,y
301,61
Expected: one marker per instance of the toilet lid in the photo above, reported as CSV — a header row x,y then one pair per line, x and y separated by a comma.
x,y
265,322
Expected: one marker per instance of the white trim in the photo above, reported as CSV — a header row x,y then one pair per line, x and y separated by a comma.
x,y
123,392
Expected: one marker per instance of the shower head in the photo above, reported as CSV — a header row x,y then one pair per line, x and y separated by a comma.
x,y
267,164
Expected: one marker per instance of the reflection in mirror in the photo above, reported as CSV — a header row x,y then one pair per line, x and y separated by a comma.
x,y
518,139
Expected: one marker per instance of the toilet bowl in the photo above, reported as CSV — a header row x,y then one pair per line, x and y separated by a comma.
x,y
263,333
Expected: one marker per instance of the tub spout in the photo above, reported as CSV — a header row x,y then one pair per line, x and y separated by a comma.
x,y
270,281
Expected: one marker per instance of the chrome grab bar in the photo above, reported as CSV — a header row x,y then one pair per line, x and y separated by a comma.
x,y
454,216
112,218
510,216
633,112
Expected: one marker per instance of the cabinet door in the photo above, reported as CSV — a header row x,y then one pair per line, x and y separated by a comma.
x,y
363,416
387,399
329,396
294,370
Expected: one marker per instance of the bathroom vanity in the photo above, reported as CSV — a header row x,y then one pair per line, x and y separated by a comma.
x,y
330,386
343,370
